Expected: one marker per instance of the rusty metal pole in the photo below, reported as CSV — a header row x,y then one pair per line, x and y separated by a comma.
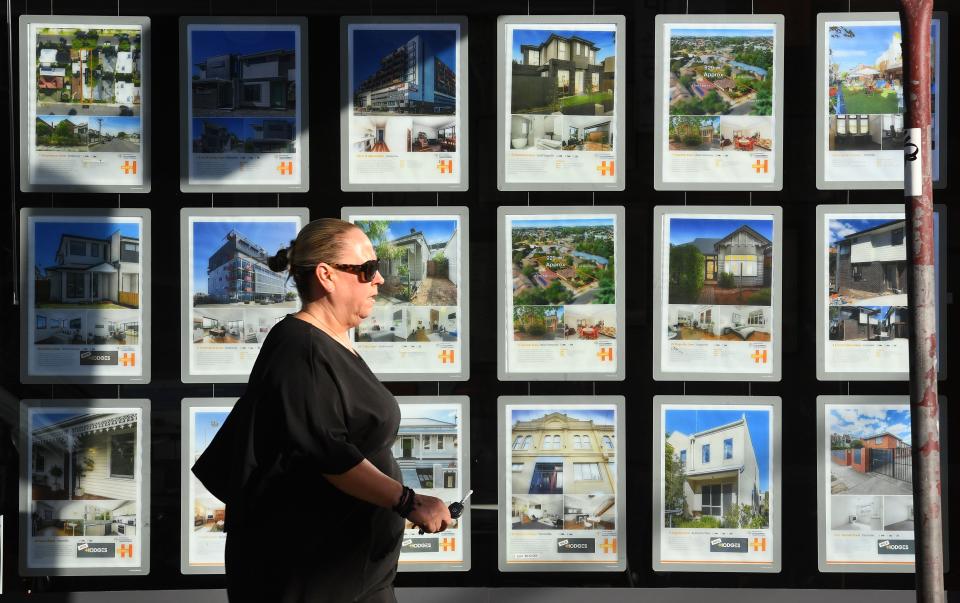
x,y
915,23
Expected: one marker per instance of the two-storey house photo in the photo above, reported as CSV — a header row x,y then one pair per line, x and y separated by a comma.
x,y
868,262
716,468
562,71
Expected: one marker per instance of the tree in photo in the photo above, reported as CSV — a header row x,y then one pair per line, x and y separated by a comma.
x,y
686,274
673,481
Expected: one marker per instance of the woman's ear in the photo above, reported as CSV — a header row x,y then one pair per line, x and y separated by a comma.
x,y
325,277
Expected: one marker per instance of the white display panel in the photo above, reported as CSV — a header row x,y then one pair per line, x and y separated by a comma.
x,y
432,449
86,283
244,104
861,100
865,484
717,293
562,500
862,312
231,298
716,464
419,327
719,107
561,91
202,515
84,103
84,487
404,103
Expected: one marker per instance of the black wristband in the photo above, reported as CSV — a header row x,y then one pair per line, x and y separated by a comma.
x,y
405,505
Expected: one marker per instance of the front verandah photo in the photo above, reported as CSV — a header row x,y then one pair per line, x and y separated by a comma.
x,y
870,450
563,71
716,469
720,261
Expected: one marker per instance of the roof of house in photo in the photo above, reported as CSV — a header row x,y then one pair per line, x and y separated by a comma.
x,y
753,233
885,225
881,434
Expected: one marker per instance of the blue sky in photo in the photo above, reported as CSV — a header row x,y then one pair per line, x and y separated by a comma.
x,y
868,43
605,40
435,231
248,123
689,422
234,125
729,32
371,45
685,230
422,411
869,420
208,238
598,416
47,236
840,229
206,424
211,43
563,222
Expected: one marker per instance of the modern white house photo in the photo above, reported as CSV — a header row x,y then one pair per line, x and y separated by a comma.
x,y
97,272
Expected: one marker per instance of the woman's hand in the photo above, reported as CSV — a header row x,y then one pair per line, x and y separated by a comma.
x,y
430,514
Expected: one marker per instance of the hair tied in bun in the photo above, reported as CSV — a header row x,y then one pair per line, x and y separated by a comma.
x,y
281,261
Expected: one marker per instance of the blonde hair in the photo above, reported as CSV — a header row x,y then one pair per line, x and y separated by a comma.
x,y
319,241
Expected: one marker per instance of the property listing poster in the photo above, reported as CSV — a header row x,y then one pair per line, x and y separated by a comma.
x,y
415,326
716,294
204,513
234,298
86,485
560,90
245,104
84,85
865,291
719,100
427,448
84,306
863,82
405,104
715,480
561,484
560,293
868,484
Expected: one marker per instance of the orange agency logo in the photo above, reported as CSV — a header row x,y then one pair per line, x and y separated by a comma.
x,y
606,168
129,167
285,168
760,544
128,359
125,550
759,357
447,356
761,166
609,545
448,545
445,166
605,354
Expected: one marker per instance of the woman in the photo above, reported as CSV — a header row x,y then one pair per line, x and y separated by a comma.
x,y
314,500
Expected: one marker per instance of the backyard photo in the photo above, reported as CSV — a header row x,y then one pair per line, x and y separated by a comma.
x,y
716,469
419,261
82,133
867,262
725,323
568,71
209,514
563,261
229,264
865,64
88,71
870,450
85,265
243,73
721,71
720,261
404,72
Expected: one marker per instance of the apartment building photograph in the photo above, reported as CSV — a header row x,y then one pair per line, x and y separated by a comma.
x,y
243,73
404,71
716,468
229,261
87,265
562,71
868,262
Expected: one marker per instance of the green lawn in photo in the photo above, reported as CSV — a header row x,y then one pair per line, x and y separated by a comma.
x,y
585,99
859,102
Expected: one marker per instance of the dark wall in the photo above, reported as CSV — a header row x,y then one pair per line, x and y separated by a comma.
x,y
799,198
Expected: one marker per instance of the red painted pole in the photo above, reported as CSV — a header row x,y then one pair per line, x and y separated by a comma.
x,y
915,21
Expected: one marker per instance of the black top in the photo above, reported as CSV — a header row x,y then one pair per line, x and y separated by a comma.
x,y
311,407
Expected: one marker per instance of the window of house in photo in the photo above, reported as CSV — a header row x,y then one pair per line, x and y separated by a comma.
x,y
518,442
586,472
39,463
563,79
576,48
425,476
439,442
683,459
556,442
547,442
41,322
586,442
756,318
879,440
74,323
75,284
728,448
735,318
857,272
711,501
562,51
78,248
517,467
533,57
705,453
426,443
594,82
896,236
251,93
727,497
123,455
576,441
449,479
528,442
607,442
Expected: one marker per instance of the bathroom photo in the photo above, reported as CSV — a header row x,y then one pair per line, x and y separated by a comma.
x,y
541,132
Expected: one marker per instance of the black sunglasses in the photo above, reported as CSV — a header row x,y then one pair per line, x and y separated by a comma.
x,y
366,270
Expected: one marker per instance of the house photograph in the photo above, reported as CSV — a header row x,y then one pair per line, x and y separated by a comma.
x,y
229,264
590,322
243,72
419,260
856,513
720,261
870,450
563,261
721,70
589,512
538,323
726,323
563,451
868,323
694,133
84,456
87,265
865,69
87,133
58,519
868,262
208,512
536,512
746,133
88,71
716,468
403,71
432,323
560,71
426,448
